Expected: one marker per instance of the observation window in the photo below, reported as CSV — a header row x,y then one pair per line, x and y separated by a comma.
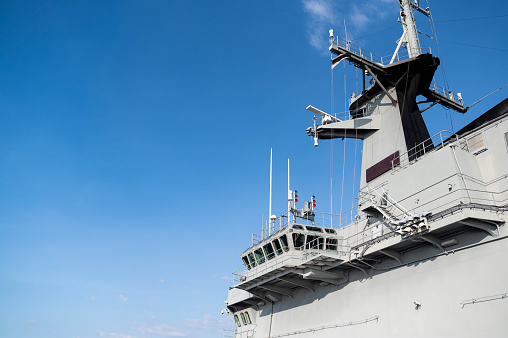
x,y
331,231
237,321
298,240
284,241
251,259
260,258
316,229
268,248
331,244
243,319
247,318
314,242
246,262
297,226
278,248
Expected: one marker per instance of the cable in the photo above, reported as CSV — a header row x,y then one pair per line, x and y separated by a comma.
x,y
469,45
344,158
331,148
477,18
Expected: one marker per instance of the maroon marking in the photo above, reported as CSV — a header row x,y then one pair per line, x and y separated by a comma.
x,y
383,166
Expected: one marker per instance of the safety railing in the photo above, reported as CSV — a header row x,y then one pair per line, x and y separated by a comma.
x,y
382,60
313,218
229,333
420,150
260,269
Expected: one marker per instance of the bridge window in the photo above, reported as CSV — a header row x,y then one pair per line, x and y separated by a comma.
x,y
284,241
237,321
268,248
246,262
331,244
247,318
243,319
314,242
298,240
251,259
316,229
330,231
297,226
278,248
260,258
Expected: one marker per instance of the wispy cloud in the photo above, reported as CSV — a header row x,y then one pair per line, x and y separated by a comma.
x,y
325,14
322,13
161,330
209,323
123,298
33,322
113,335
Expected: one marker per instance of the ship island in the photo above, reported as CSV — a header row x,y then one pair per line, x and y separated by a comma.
x,y
423,253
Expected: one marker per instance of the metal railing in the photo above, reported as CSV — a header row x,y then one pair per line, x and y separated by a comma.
x,y
315,218
229,333
382,60
420,150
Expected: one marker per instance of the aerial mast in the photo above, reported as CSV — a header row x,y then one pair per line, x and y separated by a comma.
x,y
409,26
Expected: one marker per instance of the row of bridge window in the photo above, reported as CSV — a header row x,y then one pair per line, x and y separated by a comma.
x,y
245,319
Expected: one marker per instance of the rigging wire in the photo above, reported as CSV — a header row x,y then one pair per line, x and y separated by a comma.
x,y
331,146
476,46
477,18
356,144
403,105
344,158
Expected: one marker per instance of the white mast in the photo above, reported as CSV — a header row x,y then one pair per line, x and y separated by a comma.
x,y
290,193
408,23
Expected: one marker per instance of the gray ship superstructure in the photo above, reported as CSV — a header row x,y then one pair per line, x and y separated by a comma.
x,y
424,252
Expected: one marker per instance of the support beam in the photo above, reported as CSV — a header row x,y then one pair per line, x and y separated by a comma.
x,y
359,268
324,276
489,228
261,295
253,303
277,289
274,297
265,280
298,282
392,254
394,102
432,240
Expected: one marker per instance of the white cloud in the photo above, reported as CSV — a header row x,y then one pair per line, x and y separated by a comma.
x,y
325,15
113,335
162,281
322,14
209,323
93,298
33,322
320,9
161,330
123,298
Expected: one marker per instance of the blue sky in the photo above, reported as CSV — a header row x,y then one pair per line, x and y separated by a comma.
x,y
135,141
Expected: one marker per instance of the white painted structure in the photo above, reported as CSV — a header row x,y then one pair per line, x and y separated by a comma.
x,y
423,254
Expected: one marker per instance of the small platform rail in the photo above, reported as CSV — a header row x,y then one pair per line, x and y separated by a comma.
x,y
346,46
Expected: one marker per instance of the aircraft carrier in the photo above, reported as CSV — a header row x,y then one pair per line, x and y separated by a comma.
x,y
423,254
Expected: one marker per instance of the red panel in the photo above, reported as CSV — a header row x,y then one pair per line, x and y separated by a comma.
x,y
382,166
